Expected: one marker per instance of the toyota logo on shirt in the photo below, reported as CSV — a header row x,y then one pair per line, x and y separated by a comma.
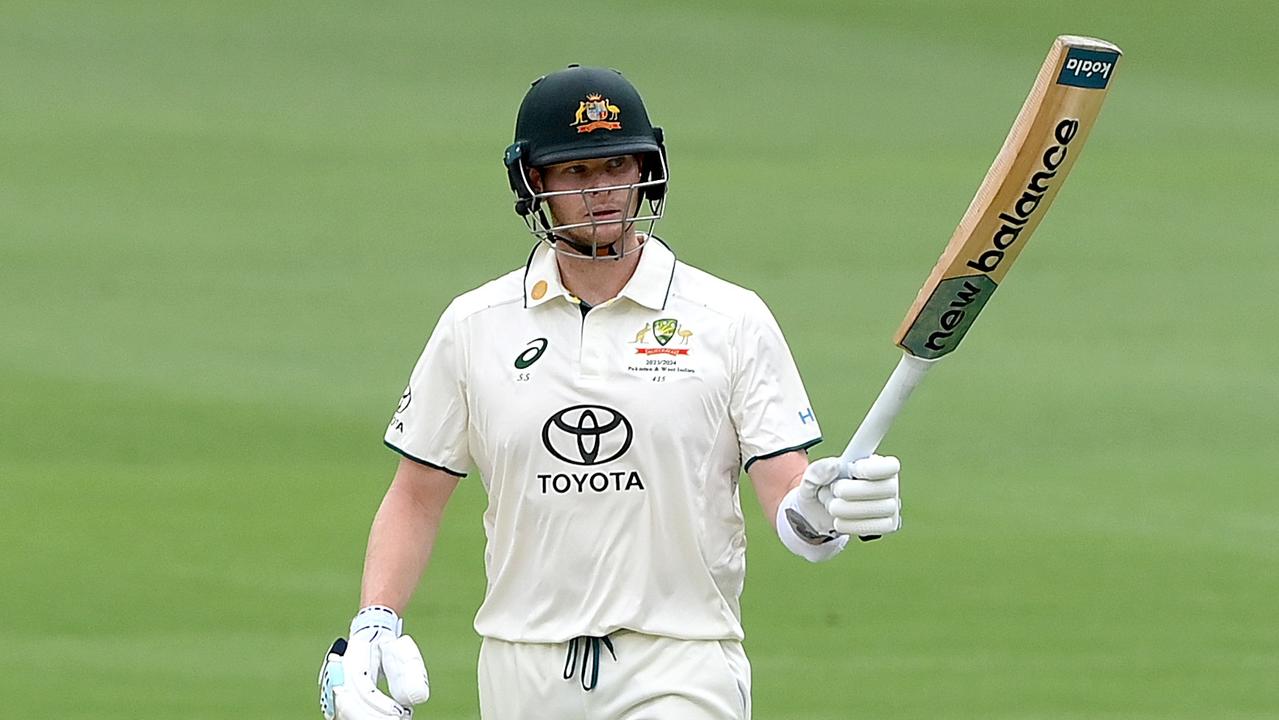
x,y
587,435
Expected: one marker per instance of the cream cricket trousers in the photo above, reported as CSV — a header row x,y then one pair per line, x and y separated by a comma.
x,y
626,676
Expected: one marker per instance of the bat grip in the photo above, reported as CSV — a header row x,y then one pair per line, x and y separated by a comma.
x,y
906,376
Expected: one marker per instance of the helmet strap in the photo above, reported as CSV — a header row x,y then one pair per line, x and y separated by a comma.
x,y
590,251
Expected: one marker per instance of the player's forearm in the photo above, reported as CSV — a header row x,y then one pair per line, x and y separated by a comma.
x,y
400,544
774,477
403,535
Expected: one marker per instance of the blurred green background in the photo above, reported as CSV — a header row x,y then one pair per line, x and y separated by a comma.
x,y
227,228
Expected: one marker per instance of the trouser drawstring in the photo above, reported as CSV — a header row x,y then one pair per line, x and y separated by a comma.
x,y
588,647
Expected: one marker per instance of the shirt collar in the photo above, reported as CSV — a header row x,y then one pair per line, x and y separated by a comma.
x,y
649,286
542,277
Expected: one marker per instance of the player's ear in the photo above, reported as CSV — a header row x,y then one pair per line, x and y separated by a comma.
x,y
535,179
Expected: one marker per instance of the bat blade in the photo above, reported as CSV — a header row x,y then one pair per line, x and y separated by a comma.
x,y
1036,157
1029,170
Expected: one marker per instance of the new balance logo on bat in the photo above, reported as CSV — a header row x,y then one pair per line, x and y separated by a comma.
x,y
947,315
1024,209
953,317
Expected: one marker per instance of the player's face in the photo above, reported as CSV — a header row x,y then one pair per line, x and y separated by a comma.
x,y
600,211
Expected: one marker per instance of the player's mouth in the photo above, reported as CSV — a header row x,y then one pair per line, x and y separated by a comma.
x,y
606,214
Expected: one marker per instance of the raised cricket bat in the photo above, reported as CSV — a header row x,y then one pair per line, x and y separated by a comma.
x,y
1030,168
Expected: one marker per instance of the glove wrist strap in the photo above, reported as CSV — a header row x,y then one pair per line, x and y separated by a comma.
x,y
799,536
377,616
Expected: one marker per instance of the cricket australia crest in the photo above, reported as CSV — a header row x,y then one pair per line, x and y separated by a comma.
x,y
596,113
663,331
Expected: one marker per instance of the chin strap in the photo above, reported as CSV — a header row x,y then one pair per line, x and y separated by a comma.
x,y
609,250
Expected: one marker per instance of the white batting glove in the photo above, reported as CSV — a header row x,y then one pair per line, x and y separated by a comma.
x,y
860,498
351,670
865,495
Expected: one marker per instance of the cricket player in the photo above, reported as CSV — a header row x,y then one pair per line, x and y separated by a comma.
x,y
608,397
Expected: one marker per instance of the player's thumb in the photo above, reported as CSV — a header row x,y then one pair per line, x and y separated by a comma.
x,y
819,474
405,671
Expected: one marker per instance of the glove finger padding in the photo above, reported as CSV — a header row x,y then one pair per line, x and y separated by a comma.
x,y
361,654
354,703
358,698
877,526
862,509
874,467
347,694
870,502
331,676
405,671
846,489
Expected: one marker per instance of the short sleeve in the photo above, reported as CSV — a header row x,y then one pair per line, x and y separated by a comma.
x,y
430,422
769,406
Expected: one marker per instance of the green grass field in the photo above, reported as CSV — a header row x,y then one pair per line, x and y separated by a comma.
x,y
227,228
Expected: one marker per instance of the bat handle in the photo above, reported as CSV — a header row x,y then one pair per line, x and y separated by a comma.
x,y
906,376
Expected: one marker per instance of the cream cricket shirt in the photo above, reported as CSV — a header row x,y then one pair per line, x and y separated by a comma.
x,y
610,444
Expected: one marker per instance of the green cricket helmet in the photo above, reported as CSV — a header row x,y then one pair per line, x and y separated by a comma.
x,y
584,113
